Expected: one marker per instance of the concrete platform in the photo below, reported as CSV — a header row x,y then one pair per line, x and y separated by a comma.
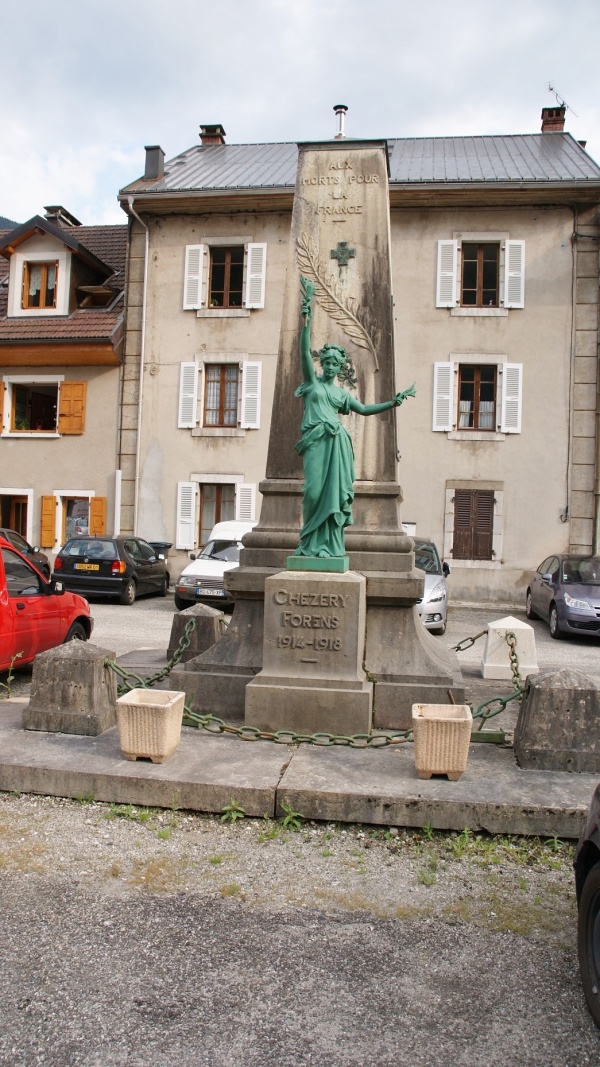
x,y
378,786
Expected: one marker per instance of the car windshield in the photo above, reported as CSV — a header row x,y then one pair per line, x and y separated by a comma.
x,y
581,571
89,546
426,558
226,551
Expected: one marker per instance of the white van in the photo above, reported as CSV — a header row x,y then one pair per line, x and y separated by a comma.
x,y
202,581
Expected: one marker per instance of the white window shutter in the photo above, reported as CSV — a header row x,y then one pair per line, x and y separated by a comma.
x,y
443,404
186,514
255,275
245,501
192,280
447,269
512,390
514,274
188,395
251,378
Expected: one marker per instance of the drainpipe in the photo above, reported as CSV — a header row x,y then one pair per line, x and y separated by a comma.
x,y
142,352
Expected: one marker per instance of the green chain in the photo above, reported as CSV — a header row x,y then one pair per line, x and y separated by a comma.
x,y
147,683
467,642
215,725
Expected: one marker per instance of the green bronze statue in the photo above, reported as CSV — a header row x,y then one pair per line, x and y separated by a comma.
x,y
325,445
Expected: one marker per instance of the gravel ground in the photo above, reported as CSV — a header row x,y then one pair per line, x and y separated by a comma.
x,y
144,938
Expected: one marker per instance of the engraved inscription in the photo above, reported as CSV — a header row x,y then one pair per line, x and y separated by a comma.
x,y
302,624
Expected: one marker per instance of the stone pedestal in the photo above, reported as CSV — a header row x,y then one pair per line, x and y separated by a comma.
x,y
72,691
314,638
210,626
496,660
558,728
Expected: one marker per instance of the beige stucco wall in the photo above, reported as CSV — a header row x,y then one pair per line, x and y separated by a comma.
x,y
69,463
529,468
169,455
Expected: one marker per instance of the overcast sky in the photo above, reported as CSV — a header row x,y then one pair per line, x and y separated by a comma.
x,y
87,85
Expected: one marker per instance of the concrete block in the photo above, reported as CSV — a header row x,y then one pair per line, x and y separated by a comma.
x,y
586,342
582,505
584,370
584,396
583,477
559,723
72,691
587,264
587,290
586,317
209,626
495,662
584,424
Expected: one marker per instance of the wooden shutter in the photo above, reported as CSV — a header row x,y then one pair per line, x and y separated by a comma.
x,y
473,523
245,502
2,390
443,402
188,395
447,270
97,516
48,522
192,281
511,397
251,379
255,275
71,410
514,274
186,514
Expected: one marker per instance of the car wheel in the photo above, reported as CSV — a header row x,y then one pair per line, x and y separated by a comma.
x,y
76,633
554,630
180,604
164,586
530,613
588,941
128,594
439,630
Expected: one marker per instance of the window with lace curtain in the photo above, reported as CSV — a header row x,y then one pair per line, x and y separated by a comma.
x,y
476,397
221,394
39,284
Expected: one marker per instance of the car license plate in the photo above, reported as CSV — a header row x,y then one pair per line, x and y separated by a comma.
x,y
87,566
201,591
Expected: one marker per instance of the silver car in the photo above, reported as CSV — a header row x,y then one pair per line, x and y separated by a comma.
x,y
433,608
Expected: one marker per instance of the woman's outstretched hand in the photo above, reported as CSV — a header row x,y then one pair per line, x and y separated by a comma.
x,y
400,397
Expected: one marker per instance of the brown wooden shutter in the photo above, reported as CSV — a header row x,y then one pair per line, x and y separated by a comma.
x,y
97,516
48,522
2,389
71,416
473,523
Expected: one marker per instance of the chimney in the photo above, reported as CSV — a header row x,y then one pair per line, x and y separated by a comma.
x,y
340,111
212,134
59,214
553,119
155,161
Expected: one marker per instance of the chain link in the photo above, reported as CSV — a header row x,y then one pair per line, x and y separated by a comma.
x,y
146,683
467,642
214,725
511,640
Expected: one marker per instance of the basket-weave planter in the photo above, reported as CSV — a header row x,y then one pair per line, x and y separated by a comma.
x,y
150,723
442,733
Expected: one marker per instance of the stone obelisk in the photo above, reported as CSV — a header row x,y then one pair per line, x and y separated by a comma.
x,y
340,241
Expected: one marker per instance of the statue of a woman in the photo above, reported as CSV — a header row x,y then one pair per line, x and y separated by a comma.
x,y
325,445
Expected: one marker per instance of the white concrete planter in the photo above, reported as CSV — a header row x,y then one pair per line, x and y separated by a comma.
x,y
442,734
150,723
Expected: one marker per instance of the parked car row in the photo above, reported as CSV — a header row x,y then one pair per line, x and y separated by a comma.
x,y
120,567
565,593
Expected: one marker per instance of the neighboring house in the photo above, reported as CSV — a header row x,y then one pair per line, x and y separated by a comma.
x,y
495,284
61,338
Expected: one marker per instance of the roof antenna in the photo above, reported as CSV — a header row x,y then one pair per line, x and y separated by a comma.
x,y
340,110
560,101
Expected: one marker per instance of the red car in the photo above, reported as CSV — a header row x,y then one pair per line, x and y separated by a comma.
x,y
35,614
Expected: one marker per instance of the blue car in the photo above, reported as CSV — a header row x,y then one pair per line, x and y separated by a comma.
x,y
565,592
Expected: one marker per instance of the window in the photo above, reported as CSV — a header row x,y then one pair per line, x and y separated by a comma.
x,y
222,389
221,394
21,579
45,404
226,277
39,285
476,397
473,523
480,275
217,504
479,272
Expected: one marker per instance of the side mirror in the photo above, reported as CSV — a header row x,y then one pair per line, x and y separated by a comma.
x,y
160,556
547,578
446,569
55,588
36,548
192,556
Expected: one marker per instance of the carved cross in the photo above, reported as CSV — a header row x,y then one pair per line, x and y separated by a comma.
x,y
342,253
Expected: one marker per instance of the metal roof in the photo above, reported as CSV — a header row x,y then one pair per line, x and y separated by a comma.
x,y
538,158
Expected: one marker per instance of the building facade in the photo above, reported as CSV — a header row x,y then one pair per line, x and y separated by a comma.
x,y
495,287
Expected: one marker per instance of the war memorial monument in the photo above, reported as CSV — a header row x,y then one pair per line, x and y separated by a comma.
x,y
324,635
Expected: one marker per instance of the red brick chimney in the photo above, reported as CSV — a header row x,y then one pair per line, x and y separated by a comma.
x,y
553,119
212,134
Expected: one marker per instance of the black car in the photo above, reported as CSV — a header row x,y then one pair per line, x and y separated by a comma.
x,y
34,555
565,591
587,887
120,567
